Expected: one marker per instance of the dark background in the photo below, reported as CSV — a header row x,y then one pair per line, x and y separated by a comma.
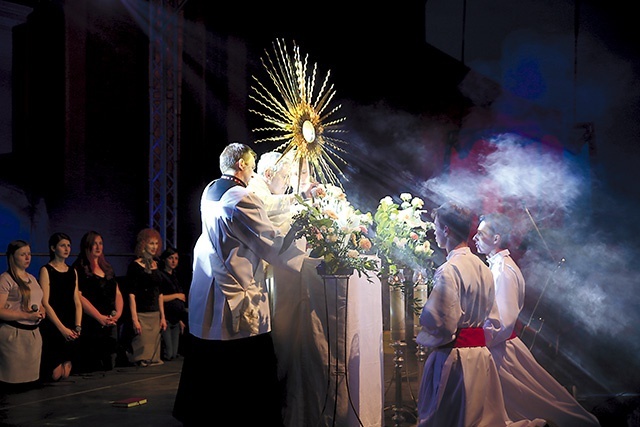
x,y
423,85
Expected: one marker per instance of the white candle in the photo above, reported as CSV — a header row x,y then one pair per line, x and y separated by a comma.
x,y
420,293
396,302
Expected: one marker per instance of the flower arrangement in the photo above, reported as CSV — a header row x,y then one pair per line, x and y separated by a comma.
x,y
401,239
401,235
336,232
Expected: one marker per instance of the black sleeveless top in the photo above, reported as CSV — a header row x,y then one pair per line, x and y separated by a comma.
x,y
62,286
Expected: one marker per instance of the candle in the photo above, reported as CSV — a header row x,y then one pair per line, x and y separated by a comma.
x,y
396,302
420,293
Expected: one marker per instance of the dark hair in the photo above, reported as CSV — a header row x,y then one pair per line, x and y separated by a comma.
x,y
457,217
166,254
232,153
53,242
82,263
499,224
25,290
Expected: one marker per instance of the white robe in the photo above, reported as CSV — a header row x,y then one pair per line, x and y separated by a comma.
x,y
278,206
460,386
529,390
228,298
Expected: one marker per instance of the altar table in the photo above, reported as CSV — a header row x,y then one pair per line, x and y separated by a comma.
x,y
327,382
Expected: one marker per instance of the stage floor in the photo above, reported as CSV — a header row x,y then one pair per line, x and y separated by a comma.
x,y
86,399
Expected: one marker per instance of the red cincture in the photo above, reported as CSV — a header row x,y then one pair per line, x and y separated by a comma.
x,y
470,337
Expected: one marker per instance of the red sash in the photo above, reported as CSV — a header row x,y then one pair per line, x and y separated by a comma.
x,y
517,329
470,337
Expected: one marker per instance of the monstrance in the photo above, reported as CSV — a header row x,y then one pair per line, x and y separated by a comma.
x,y
301,116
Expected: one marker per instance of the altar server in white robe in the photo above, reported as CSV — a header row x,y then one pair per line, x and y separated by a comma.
x,y
230,366
527,387
460,386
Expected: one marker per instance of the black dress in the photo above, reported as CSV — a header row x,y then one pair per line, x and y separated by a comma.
x,y
98,344
55,348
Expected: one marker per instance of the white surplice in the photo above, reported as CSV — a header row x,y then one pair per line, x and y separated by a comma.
x,y
528,388
278,206
460,387
228,298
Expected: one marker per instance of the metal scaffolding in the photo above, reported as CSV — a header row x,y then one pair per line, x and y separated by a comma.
x,y
165,53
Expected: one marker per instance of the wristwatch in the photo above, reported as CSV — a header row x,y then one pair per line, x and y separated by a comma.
x,y
78,328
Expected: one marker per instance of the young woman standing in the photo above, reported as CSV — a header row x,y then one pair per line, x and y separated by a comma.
x,y
145,300
21,312
61,300
102,305
174,299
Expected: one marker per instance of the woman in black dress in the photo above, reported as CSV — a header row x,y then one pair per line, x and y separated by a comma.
x,y
145,300
61,300
102,305
174,299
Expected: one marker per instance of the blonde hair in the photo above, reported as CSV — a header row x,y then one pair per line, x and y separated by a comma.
x,y
23,287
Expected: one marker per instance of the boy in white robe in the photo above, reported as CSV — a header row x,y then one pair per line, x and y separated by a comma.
x,y
527,387
460,386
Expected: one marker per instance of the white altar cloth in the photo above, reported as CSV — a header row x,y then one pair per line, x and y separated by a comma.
x,y
306,342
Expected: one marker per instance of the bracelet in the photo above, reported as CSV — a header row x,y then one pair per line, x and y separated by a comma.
x,y
78,328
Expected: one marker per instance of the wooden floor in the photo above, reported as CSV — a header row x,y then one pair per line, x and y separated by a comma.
x,y
86,400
